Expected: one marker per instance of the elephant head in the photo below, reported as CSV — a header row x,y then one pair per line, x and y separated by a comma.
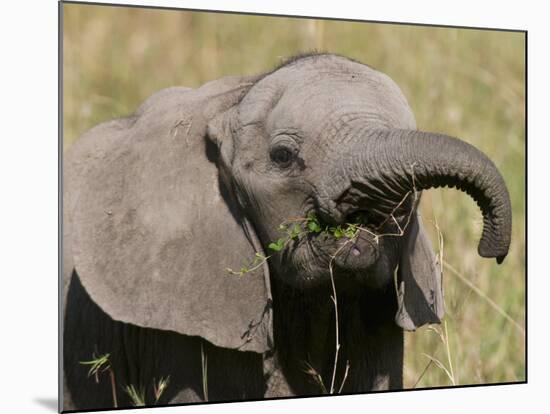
x,y
160,204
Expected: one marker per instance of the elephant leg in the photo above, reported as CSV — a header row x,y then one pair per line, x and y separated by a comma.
x,y
186,396
276,383
67,402
373,343
229,375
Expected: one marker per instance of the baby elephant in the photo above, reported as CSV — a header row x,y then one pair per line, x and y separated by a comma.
x,y
240,240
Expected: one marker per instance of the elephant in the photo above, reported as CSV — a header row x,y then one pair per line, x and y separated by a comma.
x,y
267,174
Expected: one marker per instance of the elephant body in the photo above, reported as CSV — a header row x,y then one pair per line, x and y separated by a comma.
x,y
161,209
139,355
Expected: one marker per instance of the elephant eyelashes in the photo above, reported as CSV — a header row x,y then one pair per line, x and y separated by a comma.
x,y
282,156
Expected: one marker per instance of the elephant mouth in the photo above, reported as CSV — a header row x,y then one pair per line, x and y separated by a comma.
x,y
356,254
351,243
358,231
348,245
348,241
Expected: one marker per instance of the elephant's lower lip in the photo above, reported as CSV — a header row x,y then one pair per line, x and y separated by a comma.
x,y
356,254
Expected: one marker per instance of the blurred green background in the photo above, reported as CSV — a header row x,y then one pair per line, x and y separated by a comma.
x,y
462,82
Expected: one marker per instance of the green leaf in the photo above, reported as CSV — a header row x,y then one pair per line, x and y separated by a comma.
x,y
338,233
295,232
278,246
350,231
314,226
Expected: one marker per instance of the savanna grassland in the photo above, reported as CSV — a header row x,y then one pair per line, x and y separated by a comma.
x,y
461,82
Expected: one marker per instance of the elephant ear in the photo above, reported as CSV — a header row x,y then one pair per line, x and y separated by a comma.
x,y
152,229
419,284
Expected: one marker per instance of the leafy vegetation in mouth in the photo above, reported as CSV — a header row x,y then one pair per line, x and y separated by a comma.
x,y
294,229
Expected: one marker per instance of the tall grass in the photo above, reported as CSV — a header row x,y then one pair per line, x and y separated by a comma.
x,y
466,83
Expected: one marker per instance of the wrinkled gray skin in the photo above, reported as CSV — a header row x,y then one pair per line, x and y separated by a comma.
x,y
158,205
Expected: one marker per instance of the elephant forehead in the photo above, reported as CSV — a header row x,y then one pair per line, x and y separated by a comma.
x,y
327,102
306,94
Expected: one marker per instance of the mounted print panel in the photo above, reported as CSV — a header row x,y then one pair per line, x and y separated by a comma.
x,y
259,207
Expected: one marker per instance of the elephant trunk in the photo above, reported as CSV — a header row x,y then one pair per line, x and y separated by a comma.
x,y
393,164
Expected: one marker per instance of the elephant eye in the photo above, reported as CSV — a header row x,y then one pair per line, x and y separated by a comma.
x,y
282,156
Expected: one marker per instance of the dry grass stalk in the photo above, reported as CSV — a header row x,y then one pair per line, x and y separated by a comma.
x,y
204,369
486,298
316,377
